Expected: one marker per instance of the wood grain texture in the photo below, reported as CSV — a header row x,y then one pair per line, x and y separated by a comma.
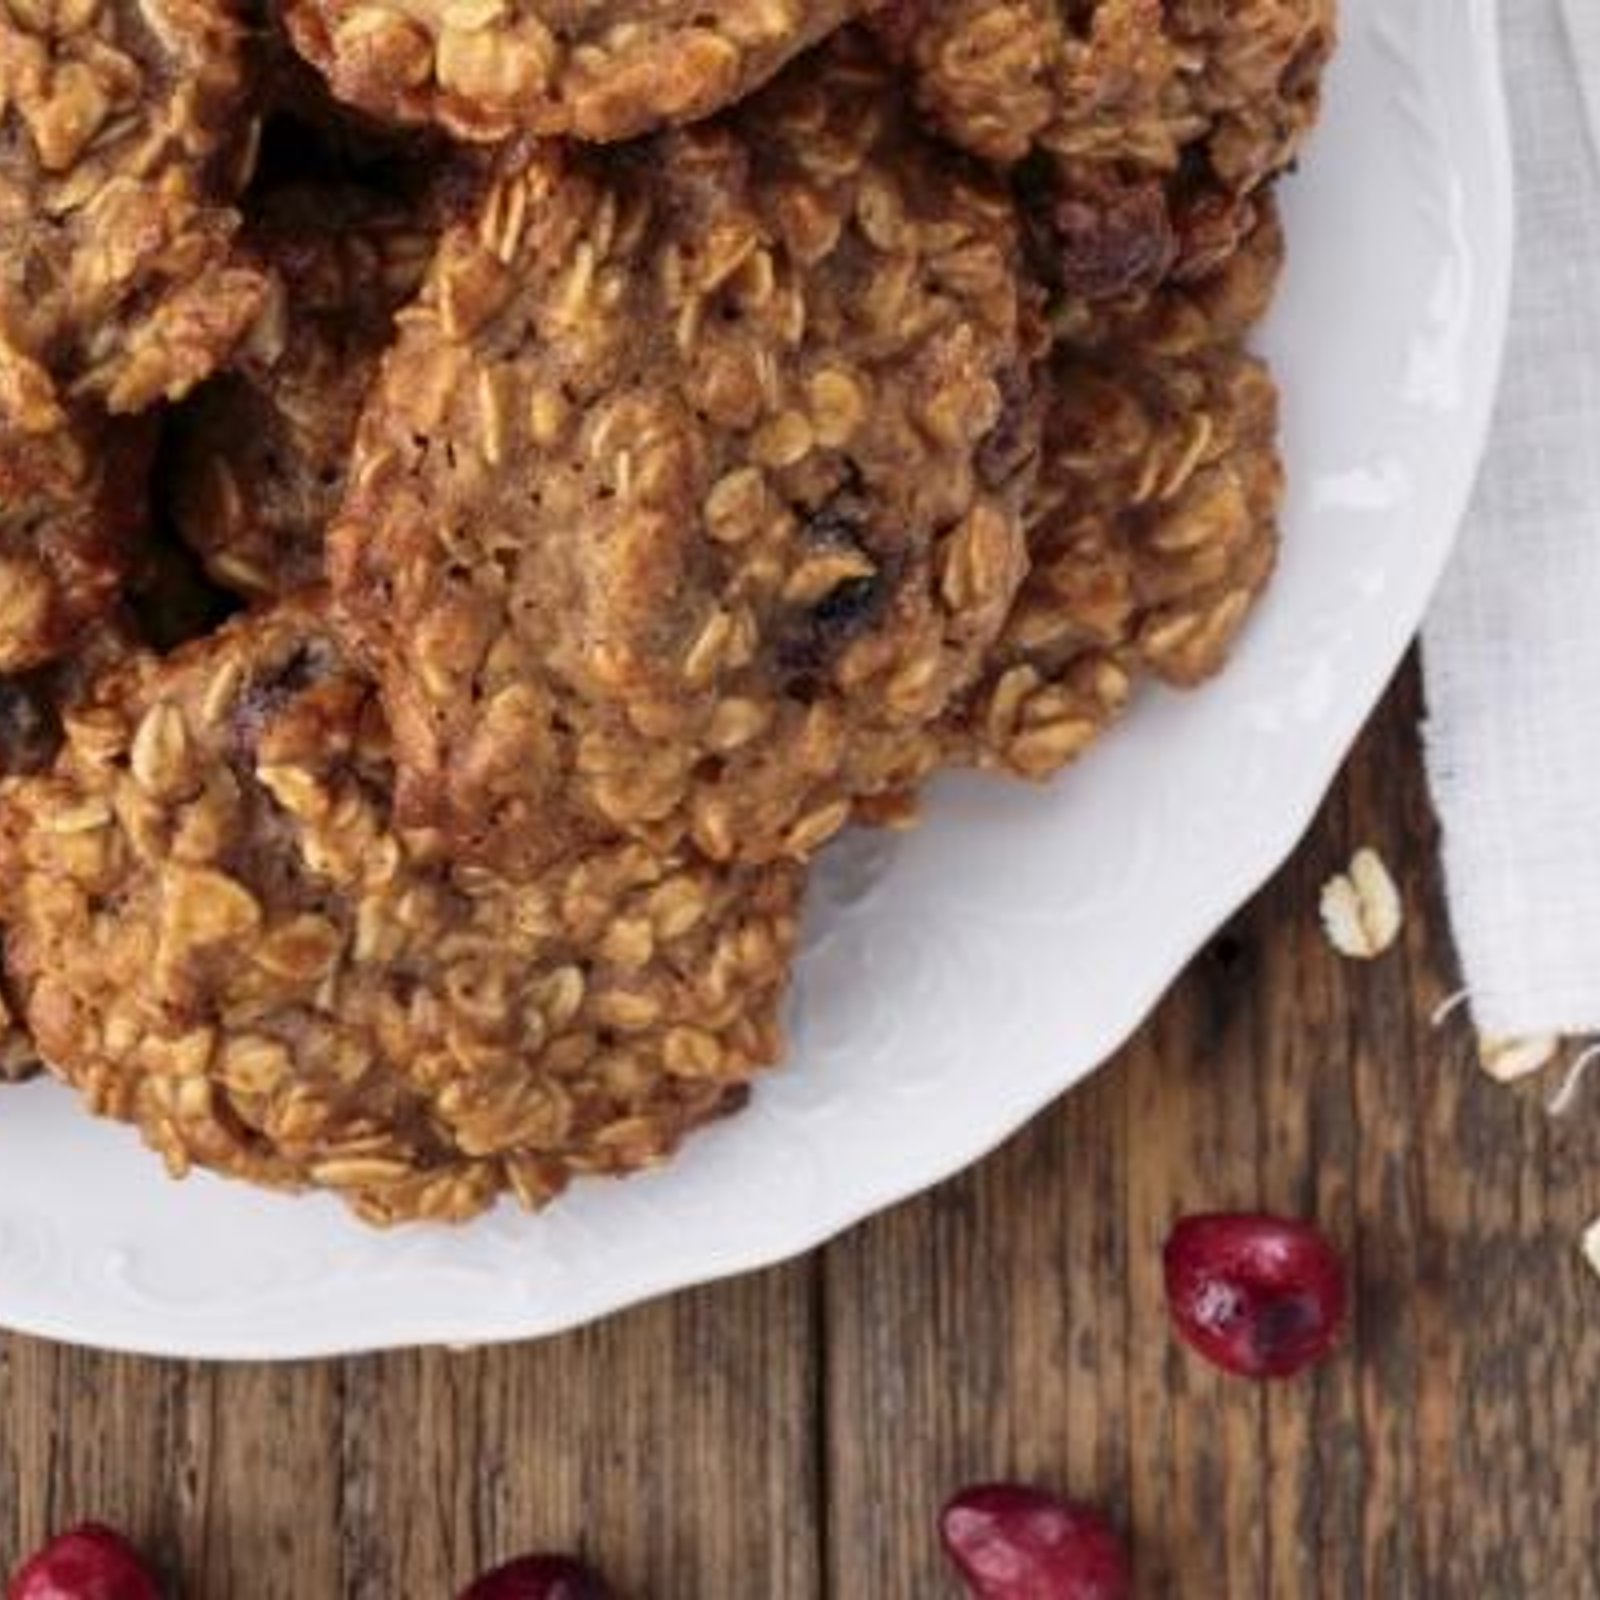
x,y
790,1436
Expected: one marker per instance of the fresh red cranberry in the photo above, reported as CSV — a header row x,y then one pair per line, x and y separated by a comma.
x,y
86,1563
542,1577
1260,1296
1011,1542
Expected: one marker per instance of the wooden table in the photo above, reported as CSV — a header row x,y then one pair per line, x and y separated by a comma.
x,y
791,1435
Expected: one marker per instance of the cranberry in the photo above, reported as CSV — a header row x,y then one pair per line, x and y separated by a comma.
x,y
543,1577
1011,1542
1259,1296
1113,239
86,1563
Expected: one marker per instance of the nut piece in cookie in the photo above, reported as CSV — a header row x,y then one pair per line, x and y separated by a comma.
x,y
256,457
1146,125
691,492
124,130
1155,525
595,69
217,933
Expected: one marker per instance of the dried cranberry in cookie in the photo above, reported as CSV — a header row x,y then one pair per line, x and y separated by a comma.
x,y
690,495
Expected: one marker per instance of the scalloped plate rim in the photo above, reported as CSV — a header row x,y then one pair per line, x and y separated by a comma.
x,y
1002,1115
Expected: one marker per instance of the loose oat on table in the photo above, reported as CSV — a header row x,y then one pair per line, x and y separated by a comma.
x,y
124,132
1147,125
596,69
1361,910
690,494
1154,525
1507,1060
256,456
218,934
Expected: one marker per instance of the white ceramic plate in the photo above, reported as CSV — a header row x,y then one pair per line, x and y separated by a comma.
x,y
956,980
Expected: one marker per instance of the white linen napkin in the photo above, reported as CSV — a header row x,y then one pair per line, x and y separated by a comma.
x,y
1511,650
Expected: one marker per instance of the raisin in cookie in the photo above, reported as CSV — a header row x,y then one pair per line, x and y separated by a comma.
x,y
1148,125
690,495
596,69
1155,526
256,457
124,128
217,933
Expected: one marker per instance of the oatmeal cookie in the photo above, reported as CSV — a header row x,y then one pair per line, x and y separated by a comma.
x,y
1147,125
595,69
124,131
256,457
691,491
72,503
1155,526
218,934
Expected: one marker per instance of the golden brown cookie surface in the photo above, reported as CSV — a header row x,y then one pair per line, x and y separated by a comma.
x,y
124,127
218,934
1155,526
691,493
1148,124
595,69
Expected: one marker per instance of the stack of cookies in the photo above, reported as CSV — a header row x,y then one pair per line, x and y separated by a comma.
x,y
490,488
